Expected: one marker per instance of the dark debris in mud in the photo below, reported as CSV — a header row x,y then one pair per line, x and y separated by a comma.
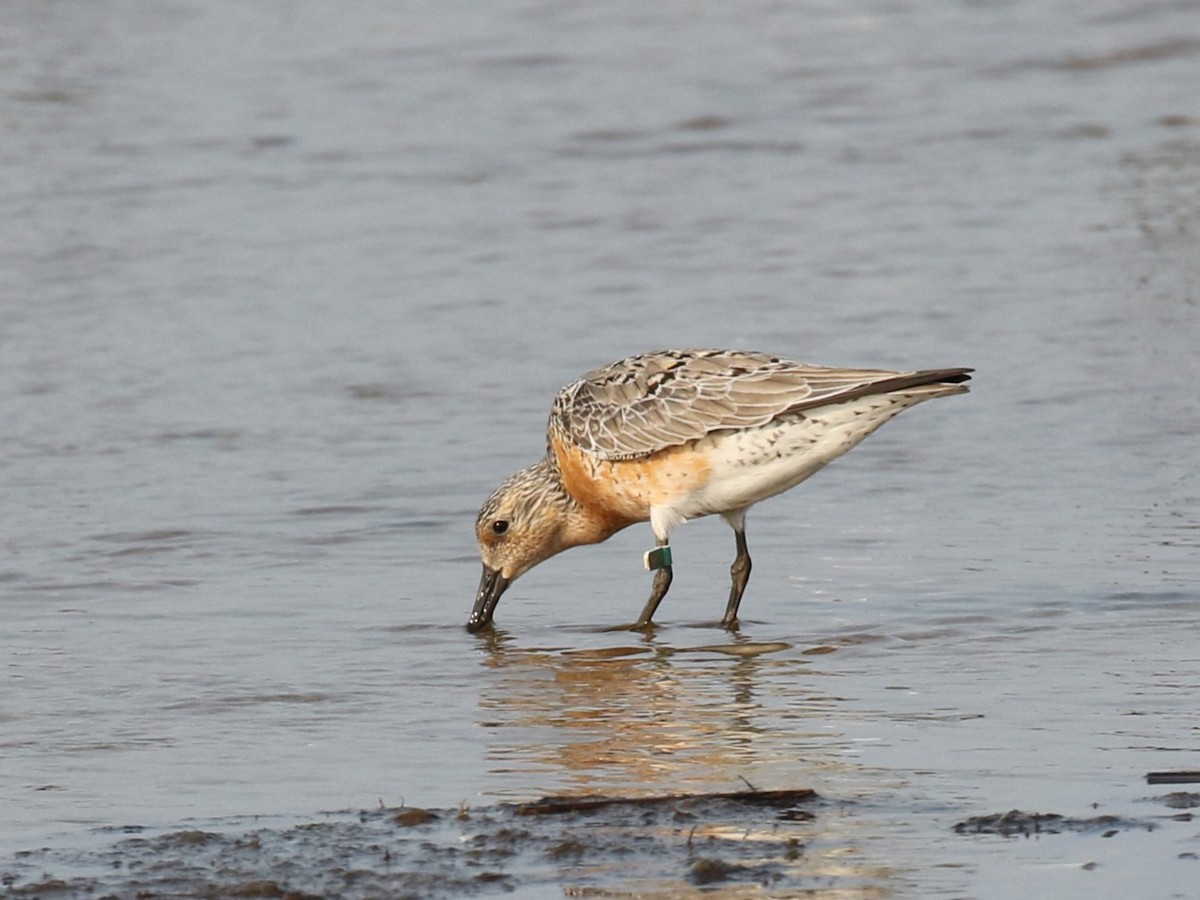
x,y
1178,777
1016,823
677,845
679,802
1180,800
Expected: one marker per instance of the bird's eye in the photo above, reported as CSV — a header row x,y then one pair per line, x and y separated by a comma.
x,y
499,526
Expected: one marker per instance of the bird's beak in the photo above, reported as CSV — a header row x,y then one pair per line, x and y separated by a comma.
x,y
491,586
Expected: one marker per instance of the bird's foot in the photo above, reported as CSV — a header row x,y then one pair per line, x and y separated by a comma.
x,y
646,628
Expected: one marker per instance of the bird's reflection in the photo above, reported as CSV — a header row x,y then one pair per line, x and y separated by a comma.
x,y
641,713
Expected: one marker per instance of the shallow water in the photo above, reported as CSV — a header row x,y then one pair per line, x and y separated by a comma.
x,y
286,290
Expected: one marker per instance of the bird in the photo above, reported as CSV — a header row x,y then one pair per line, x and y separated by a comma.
x,y
673,435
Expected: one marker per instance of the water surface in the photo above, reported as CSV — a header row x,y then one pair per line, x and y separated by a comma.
x,y
285,291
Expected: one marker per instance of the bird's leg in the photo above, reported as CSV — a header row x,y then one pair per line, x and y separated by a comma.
x,y
739,572
658,560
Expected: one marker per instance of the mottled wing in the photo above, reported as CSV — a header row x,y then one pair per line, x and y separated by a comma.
x,y
640,405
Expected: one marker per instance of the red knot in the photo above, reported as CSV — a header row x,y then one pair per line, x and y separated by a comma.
x,y
676,434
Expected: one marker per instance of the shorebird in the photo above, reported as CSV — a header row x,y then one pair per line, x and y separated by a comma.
x,y
675,434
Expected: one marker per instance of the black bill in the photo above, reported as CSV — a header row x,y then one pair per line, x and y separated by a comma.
x,y
491,586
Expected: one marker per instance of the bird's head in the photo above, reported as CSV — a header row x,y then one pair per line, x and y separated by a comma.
x,y
520,525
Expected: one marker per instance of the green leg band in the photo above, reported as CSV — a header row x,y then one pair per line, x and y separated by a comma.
x,y
658,558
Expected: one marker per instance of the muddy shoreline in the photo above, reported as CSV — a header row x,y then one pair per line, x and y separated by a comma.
x,y
730,844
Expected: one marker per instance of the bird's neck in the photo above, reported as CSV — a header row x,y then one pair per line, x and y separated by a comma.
x,y
582,523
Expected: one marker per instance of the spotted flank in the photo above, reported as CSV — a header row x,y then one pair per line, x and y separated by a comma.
x,y
673,435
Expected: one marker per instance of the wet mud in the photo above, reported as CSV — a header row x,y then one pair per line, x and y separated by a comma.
x,y
737,844
669,846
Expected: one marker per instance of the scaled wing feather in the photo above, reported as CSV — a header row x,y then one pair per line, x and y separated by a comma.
x,y
641,405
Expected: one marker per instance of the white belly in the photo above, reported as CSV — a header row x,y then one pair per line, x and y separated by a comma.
x,y
754,464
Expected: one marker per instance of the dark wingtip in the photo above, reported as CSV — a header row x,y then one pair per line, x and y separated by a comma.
x,y
953,376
